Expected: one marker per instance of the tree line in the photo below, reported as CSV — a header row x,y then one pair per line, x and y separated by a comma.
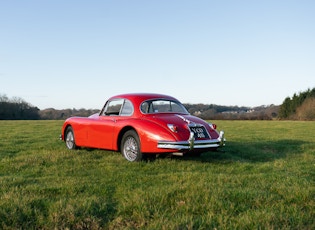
x,y
219,112
207,112
298,107
54,114
17,109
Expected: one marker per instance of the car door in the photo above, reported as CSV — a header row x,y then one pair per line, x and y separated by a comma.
x,y
101,129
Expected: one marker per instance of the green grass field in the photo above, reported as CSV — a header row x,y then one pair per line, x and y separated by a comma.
x,y
263,179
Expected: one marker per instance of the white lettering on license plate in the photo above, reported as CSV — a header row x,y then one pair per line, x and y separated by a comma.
x,y
198,132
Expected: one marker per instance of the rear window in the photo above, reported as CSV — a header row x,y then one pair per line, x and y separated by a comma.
x,y
162,106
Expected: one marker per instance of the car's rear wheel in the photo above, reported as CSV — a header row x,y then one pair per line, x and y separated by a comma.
x,y
130,146
69,138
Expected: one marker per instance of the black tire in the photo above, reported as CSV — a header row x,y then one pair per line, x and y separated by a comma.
x,y
149,157
69,138
130,146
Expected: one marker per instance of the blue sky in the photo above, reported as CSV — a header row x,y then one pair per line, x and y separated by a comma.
x,y
76,54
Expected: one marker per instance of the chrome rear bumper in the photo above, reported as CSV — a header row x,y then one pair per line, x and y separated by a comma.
x,y
192,144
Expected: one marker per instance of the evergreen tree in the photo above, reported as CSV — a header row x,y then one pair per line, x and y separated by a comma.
x,y
289,106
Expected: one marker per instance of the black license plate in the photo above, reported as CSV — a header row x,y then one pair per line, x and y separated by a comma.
x,y
199,132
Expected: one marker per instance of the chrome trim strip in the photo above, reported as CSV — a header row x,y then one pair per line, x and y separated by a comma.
x,y
221,138
191,143
191,140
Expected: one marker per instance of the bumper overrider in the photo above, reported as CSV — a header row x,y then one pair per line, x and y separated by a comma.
x,y
192,144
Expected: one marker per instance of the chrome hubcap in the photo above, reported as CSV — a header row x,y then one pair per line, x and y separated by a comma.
x,y
69,140
131,149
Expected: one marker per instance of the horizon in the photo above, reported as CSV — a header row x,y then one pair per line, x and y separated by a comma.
x,y
57,54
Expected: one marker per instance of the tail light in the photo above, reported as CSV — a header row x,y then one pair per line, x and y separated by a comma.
x,y
172,127
213,126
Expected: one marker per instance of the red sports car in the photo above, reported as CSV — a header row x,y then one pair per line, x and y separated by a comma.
x,y
142,125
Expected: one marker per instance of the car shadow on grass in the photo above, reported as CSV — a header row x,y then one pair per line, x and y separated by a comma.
x,y
260,151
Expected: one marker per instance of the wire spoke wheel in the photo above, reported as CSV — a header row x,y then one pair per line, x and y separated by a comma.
x,y
130,146
70,141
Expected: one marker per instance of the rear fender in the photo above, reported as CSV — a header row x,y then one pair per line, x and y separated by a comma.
x,y
149,134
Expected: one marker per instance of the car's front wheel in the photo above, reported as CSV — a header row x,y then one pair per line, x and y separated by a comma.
x,y
130,146
69,138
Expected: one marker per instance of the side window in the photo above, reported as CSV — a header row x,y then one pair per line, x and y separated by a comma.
x,y
145,107
127,109
176,108
113,107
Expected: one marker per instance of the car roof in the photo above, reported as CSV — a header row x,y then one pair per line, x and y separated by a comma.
x,y
140,97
